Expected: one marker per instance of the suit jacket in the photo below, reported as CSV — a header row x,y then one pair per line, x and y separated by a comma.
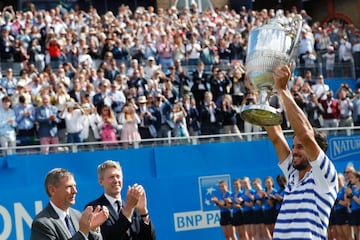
x,y
47,225
118,227
47,127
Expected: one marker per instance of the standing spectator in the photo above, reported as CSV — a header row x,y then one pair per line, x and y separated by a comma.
x,y
117,98
310,61
250,98
332,110
73,117
193,50
229,120
163,105
58,220
7,127
128,218
25,121
192,117
149,116
101,98
320,88
330,61
47,118
306,44
165,50
90,132
224,203
219,86
210,121
346,110
108,126
311,175
345,56
9,82
7,46
314,111
178,116
129,120
200,84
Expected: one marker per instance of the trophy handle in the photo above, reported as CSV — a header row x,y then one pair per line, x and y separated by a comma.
x,y
298,21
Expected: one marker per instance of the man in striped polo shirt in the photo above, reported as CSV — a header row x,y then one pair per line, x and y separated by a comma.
x,y
311,177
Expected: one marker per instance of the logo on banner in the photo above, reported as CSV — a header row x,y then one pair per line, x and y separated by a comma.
x,y
341,147
209,215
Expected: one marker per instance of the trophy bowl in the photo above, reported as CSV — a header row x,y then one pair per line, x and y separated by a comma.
x,y
269,46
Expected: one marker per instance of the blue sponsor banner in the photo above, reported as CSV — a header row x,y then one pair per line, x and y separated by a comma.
x,y
179,181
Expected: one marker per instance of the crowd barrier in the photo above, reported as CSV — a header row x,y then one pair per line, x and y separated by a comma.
x,y
179,180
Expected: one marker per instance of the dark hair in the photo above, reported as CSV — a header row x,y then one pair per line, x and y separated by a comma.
x,y
321,139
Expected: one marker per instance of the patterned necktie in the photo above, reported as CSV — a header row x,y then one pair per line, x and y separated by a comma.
x,y
69,225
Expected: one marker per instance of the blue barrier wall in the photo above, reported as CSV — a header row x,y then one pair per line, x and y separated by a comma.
x,y
179,181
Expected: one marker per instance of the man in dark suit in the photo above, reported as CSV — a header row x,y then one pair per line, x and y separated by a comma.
x,y
127,221
58,220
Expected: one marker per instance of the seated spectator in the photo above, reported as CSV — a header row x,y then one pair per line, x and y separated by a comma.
x,y
7,127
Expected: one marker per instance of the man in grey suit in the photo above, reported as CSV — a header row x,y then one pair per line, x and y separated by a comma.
x,y
58,220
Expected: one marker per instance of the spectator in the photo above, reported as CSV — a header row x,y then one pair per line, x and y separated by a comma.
x,y
332,110
192,117
330,61
25,121
310,61
164,107
73,117
320,88
7,127
178,116
314,111
346,109
229,120
165,50
250,98
9,81
209,116
129,120
345,56
193,50
47,118
149,116
200,84
108,126
7,46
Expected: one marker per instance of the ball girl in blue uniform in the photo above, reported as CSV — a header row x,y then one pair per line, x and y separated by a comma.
x,y
237,203
247,206
353,196
224,202
269,206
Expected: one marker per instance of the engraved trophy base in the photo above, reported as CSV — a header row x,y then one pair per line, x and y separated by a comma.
x,y
261,115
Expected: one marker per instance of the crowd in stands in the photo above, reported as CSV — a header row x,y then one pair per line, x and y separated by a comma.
x,y
249,210
130,76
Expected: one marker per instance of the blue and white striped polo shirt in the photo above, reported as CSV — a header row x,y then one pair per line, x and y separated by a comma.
x,y
305,211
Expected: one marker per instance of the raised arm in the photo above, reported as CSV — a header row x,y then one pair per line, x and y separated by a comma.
x,y
277,138
298,121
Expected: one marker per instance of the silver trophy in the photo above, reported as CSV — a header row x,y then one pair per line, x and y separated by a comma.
x,y
269,46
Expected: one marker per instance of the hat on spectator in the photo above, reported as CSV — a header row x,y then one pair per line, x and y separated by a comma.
x,y
151,58
21,83
163,33
142,99
70,104
85,106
